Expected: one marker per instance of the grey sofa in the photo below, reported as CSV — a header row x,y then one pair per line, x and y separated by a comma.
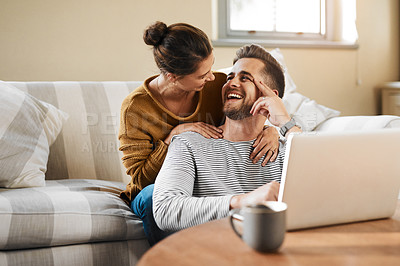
x,y
77,218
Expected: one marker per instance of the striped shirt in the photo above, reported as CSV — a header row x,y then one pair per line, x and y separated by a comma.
x,y
199,176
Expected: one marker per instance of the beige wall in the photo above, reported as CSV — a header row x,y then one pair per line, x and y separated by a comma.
x,y
102,40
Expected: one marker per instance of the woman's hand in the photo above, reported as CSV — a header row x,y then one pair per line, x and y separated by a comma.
x,y
267,143
206,130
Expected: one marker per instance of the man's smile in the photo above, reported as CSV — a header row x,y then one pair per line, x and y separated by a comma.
x,y
233,95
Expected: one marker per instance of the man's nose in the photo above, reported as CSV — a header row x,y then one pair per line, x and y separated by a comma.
x,y
233,82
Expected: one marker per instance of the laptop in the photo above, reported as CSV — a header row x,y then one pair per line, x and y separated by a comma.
x,y
335,178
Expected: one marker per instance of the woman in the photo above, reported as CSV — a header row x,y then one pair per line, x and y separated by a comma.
x,y
186,96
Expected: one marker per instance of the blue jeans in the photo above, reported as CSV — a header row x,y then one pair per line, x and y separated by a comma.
x,y
142,206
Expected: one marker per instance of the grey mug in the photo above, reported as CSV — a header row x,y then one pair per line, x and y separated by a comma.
x,y
264,225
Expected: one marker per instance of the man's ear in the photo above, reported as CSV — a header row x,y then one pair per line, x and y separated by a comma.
x,y
275,91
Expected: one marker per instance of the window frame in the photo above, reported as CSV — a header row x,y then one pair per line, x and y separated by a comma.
x,y
223,36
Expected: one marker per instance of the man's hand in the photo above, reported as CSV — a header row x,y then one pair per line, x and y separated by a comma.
x,y
270,105
267,192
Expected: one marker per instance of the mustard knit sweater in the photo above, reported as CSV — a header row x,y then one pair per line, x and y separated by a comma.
x,y
145,123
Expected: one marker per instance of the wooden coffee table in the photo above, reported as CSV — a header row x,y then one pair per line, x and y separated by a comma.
x,y
214,243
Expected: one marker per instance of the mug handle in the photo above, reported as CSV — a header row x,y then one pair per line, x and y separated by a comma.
x,y
234,214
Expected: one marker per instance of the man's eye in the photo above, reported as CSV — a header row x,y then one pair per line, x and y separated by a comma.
x,y
229,78
244,78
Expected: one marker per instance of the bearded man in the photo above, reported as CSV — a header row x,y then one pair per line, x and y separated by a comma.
x,y
202,179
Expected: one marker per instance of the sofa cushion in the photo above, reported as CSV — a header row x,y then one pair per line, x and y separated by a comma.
x,y
120,253
290,86
308,113
27,129
66,212
87,147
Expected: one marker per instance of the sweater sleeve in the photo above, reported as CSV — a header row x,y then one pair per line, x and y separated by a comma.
x,y
143,152
174,205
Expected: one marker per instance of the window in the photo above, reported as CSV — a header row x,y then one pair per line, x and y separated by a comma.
x,y
291,23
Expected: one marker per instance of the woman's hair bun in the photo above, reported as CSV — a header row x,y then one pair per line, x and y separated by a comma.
x,y
155,33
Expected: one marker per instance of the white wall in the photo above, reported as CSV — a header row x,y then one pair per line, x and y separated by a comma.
x,y
102,40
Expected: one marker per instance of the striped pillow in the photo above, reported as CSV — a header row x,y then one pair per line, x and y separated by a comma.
x,y
87,146
27,129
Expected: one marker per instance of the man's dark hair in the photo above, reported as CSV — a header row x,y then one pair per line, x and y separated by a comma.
x,y
273,72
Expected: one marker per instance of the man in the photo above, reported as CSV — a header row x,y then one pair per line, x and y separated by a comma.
x,y
202,179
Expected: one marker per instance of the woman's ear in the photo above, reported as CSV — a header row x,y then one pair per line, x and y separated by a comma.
x,y
172,77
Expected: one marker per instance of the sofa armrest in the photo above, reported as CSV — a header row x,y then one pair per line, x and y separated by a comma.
x,y
349,123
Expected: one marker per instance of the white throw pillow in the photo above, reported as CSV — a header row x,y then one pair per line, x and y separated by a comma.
x,y
307,113
290,86
28,127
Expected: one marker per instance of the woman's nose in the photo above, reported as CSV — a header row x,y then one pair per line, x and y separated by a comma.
x,y
210,76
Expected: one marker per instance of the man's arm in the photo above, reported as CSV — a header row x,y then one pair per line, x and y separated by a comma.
x,y
174,205
266,192
272,107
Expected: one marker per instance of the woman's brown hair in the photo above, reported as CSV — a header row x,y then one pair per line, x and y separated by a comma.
x,y
178,48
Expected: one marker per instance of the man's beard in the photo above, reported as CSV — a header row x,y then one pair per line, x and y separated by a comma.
x,y
240,113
